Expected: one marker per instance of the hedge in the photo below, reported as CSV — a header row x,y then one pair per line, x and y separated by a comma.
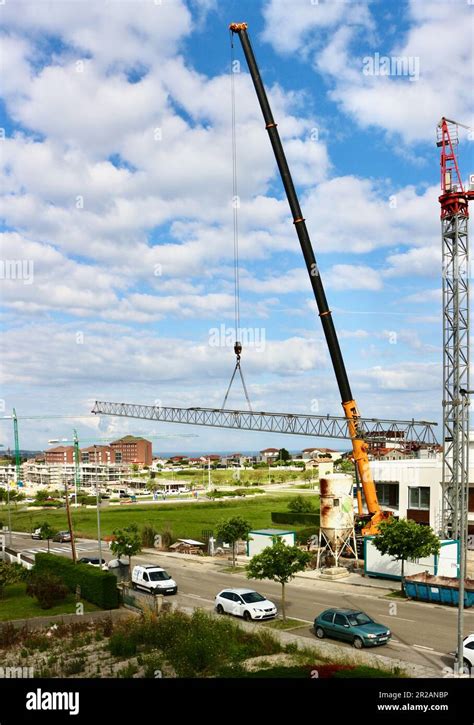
x,y
288,517
98,587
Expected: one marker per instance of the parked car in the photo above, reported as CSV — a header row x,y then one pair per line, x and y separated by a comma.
x,y
62,536
245,603
93,561
36,534
468,653
153,579
352,626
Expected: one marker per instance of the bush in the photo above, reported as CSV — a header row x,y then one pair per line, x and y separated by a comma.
x,y
122,644
288,517
75,666
48,589
148,536
9,635
303,535
98,587
301,505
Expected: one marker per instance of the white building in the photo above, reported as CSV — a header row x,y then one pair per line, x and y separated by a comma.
x,y
411,488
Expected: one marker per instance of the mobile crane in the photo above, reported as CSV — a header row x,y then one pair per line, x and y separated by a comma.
x,y
368,523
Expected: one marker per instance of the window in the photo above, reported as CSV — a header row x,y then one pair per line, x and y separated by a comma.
x,y
145,576
469,645
328,616
419,498
252,597
340,619
387,494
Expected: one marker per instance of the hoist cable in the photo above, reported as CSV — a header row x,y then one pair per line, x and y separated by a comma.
x,y
235,219
235,198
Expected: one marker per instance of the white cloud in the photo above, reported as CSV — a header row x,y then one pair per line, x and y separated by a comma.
x,y
292,26
409,108
354,277
420,262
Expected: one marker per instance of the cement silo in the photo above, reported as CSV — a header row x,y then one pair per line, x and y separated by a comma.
x,y
337,533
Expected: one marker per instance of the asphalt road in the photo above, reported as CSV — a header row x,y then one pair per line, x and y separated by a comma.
x,y
422,633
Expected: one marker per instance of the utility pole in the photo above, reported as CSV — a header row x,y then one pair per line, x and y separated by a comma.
x,y
69,522
99,541
77,466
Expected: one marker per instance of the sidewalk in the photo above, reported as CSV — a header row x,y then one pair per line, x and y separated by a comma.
x,y
376,587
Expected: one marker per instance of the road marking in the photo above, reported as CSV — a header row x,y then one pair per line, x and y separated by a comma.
x,y
420,646
196,596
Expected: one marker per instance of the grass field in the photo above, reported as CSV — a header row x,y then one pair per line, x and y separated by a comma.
x,y
185,520
15,604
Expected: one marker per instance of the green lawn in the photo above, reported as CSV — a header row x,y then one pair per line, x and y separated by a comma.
x,y
15,604
185,520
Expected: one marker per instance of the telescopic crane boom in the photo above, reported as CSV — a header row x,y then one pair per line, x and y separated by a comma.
x,y
360,448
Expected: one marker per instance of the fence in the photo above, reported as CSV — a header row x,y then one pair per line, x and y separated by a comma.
x,y
16,558
142,600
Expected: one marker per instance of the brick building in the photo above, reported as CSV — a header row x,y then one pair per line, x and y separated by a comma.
x,y
132,449
60,455
98,454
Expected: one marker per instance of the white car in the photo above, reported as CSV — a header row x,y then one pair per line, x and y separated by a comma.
x,y
245,603
153,579
468,653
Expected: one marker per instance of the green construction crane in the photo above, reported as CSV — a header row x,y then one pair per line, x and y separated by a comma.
x,y
17,450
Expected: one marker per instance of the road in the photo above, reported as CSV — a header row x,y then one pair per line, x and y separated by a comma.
x,y
422,633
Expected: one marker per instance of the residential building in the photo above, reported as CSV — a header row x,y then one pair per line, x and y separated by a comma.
x,y
60,455
308,454
269,455
132,449
98,454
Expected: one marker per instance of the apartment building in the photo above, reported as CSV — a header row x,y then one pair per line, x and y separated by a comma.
x,y
411,488
132,449
60,455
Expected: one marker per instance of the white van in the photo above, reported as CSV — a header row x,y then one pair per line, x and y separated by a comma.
x,y
153,579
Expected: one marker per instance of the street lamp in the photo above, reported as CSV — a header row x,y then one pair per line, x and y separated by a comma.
x,y
8,509
462,508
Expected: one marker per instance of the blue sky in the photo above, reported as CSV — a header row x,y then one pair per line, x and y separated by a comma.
x,y
116,204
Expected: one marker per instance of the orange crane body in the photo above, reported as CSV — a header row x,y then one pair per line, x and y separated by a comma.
x,y
359,445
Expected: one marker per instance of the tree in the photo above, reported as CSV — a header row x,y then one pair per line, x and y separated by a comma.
x,y
47,532
404,540
127,542
231,530
283,455
344,465
279,563
300,505
47,588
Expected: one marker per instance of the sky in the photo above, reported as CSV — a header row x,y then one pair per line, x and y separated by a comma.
x,y
117,247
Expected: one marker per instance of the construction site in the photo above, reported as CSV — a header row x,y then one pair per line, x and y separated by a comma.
x,y
391,506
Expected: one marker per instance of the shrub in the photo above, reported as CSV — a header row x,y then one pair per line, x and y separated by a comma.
x,y
78,664
288,517
148,536
48,589
122,644
167,536
9,635
98,587
303,535
11,574
301,505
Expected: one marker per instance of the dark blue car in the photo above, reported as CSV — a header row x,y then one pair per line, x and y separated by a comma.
x,y
351,625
